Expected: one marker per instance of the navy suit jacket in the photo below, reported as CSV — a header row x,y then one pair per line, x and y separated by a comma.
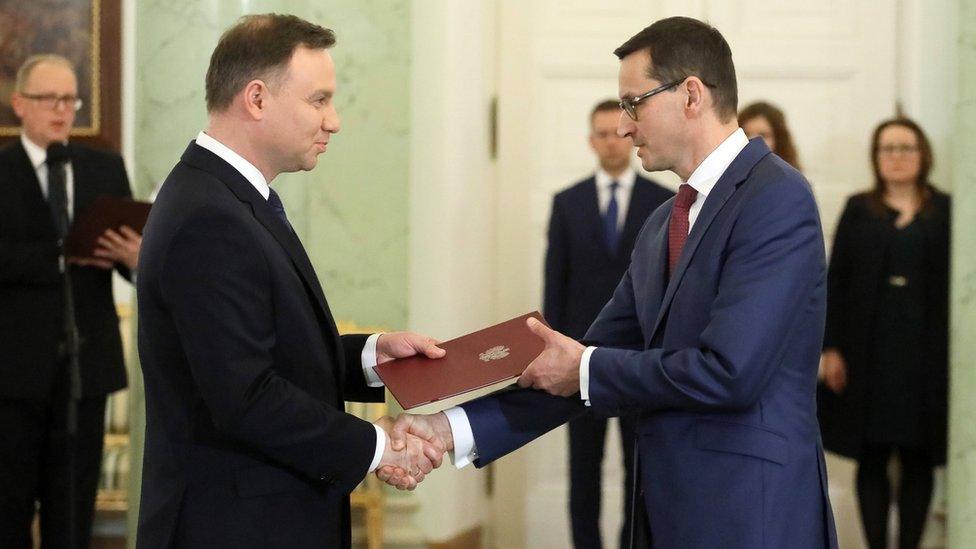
x,y
247,443
581,272
720,361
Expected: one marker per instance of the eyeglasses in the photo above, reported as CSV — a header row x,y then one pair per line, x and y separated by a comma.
x,y
892,150
630,105
51,101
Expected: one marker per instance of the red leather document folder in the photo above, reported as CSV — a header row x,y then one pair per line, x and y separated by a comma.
x,y
105,212
479,359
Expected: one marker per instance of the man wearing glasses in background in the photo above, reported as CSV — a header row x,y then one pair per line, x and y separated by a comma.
x,y
713,336
40,183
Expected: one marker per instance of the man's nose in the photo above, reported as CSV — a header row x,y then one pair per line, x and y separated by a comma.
x,y
625,126
331,122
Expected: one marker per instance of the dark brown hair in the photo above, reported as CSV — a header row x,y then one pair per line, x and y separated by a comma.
x,y
926,159
777,121
258,47
606,105
681,47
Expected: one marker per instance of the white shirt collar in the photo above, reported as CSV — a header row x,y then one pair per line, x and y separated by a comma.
x,y
252,174
707,174
626,179
35,152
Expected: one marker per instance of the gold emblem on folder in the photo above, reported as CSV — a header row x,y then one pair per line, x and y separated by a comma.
x,y
495,353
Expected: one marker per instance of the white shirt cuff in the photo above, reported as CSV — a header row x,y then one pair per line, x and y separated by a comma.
x,y
368,358
464,450
584,375
380,448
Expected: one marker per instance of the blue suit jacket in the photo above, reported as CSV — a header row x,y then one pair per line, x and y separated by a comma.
x,y
721,363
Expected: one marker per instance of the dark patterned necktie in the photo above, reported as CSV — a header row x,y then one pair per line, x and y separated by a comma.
x,y
678,227
279,209
610,232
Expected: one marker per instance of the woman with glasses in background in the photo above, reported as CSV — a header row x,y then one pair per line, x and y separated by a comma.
x,y
885,347
765,120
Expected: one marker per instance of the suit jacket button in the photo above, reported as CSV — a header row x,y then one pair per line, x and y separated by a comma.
x,y
327,479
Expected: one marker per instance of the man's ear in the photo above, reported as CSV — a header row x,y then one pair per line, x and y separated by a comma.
x,y
17,102
695,89
254,98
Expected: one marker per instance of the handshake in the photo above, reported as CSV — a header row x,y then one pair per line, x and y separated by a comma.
x,y
415,446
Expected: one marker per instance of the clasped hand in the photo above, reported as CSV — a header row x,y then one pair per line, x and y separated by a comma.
x,y
421,440
408,456
407,459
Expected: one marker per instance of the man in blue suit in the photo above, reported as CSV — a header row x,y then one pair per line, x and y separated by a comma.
x,y
592,231
713,335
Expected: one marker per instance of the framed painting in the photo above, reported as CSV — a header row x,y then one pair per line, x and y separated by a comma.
x,y
85,31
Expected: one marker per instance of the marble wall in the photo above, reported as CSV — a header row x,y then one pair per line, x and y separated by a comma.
x,y
962,429
351,210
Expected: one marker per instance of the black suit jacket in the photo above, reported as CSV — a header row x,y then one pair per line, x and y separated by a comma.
x,y
854,281
581,273
247,444
31,291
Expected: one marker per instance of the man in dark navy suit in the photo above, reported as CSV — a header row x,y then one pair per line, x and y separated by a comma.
x,y
42,178
592,230
713,335
247,441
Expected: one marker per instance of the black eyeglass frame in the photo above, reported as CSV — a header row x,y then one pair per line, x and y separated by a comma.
x,y
629,106
52,101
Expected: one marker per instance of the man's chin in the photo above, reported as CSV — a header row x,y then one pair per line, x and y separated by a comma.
x,y
309,163
55,138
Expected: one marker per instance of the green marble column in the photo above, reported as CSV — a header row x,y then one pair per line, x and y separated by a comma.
x,y
351,210
962,422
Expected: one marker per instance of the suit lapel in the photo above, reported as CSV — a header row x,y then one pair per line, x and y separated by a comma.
x,y
657,274
735,174
84,183
29,186
199,157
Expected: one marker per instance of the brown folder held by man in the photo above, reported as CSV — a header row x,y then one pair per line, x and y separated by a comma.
x,y
482,358
105,212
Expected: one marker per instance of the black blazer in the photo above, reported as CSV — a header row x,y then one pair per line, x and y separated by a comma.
x,y
247,443
581,273
853,284
31,292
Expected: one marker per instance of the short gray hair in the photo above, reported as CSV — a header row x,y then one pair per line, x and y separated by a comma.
x,y
24,72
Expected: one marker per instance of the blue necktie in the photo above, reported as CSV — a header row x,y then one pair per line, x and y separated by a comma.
x,y
279,209
610,231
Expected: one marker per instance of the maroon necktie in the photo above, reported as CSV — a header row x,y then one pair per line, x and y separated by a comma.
x,y
678,227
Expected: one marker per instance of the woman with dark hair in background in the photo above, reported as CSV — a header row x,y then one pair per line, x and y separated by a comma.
x,y
886,344
767,121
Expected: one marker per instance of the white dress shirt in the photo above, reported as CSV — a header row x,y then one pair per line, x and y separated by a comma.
x,y
256,178
624,190
703,179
